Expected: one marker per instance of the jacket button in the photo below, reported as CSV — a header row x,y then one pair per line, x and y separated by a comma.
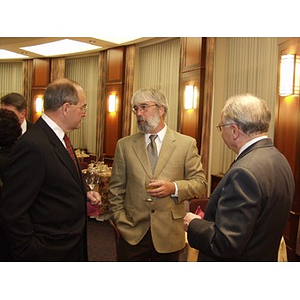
x,y
152,210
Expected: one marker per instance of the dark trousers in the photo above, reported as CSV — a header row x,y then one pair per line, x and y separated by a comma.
x,y
143,251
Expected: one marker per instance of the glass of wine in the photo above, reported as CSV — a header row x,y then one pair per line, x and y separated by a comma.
x,y
92,178
149,198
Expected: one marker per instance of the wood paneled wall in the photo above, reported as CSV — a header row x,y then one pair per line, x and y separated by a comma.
x,y
287,140
40,80
192,73
114,86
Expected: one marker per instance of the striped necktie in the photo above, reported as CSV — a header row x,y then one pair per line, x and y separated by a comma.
x,y
152,151
70,150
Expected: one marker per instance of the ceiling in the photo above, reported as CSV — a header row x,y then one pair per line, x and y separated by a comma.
x,y
14,44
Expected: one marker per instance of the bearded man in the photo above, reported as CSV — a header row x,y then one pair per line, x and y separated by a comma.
x,y
150,222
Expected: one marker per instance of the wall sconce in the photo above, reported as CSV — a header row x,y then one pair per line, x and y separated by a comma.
x,y
39,105
289,75
190,97
112,103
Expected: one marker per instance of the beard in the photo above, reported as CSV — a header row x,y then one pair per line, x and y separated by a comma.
x,y
148,125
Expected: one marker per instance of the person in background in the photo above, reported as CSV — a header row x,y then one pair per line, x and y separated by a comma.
x,y
247,213
43,205
18,104
151,223
10,131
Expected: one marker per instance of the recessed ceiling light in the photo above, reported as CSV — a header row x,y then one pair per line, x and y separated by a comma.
x,y
5,54
116,40
61,47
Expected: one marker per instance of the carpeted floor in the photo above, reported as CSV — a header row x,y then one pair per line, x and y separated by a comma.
x,y
101,241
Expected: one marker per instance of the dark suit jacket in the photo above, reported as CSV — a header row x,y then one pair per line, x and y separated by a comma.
x,y
247,213
43,206
29,124
4,247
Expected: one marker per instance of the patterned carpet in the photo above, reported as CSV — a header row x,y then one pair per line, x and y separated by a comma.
x,y
101,241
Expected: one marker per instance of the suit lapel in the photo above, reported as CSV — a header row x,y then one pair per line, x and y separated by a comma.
x,y
60,151
168,146
139,148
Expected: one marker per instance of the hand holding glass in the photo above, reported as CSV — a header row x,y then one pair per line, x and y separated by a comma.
x,y
91,179
149,198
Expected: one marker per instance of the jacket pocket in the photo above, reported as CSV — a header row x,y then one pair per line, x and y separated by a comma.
x,y
178,213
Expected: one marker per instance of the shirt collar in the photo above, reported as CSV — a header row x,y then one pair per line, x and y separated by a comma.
x,y
248,144
24,126
58,131
161,134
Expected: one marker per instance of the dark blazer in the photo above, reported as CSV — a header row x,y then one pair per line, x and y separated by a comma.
x,y
29,124
247,213
43,206
4,245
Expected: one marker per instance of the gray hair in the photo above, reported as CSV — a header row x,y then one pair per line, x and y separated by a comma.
x,y
250,113
150,94
59,92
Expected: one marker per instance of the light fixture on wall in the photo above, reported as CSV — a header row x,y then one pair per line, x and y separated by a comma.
x,y
289,75
190,101
39,106
112,103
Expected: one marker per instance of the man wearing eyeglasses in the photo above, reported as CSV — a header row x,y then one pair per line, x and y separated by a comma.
x,y
150,221
247,213
43,205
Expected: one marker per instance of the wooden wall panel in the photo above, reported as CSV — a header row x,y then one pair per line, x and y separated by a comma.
x,y
41,72
40,80
192,73
286,132
190,117
192,57
287,140
114,85
115,65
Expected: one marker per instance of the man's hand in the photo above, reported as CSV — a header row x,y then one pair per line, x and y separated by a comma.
x,y
188,218
94,197
162,188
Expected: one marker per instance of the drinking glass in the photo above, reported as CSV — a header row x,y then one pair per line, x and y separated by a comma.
x,y
149,198
92,178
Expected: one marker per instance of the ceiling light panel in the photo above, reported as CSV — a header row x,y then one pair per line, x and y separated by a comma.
x,y
117,40
61,47
5,54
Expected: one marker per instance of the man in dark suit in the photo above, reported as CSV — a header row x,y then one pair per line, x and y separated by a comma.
x,y
247,213
18,104
43,206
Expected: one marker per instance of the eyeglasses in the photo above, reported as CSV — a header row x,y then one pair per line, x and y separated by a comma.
x,y
82,108
219,127
142,108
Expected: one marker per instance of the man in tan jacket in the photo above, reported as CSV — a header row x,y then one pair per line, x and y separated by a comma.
x,y
151,222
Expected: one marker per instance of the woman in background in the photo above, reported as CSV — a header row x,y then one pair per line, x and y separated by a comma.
x,y
10,131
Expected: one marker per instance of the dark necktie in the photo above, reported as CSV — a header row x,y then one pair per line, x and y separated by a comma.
x,y
152,151
70,150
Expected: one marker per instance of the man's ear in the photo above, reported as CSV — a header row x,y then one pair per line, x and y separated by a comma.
x,y
235,131
65,108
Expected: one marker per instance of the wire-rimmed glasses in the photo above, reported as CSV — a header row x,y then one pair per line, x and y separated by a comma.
x,y
142,108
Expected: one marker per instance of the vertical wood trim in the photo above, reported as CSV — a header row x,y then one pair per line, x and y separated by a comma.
x,y
207,104
101,105
128,90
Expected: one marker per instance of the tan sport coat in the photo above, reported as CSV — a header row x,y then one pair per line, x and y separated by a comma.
x,y
178,161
